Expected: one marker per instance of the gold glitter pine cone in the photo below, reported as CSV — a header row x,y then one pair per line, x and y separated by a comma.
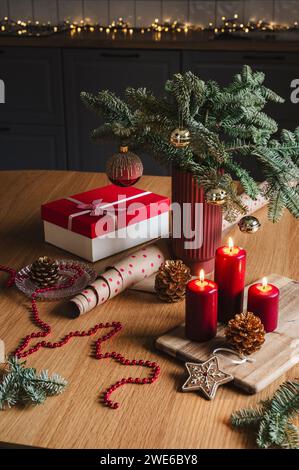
x,y
245,332
171,280
45,272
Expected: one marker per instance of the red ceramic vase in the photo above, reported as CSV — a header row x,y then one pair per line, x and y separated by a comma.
x,y
203,223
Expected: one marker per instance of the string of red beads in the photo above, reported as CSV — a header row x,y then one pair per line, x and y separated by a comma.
x,y
20,352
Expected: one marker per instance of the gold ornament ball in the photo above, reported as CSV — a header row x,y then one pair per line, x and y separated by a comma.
x,y
216,196
249,224
180,138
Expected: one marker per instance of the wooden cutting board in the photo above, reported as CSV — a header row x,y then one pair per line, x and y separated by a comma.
x,y
279,353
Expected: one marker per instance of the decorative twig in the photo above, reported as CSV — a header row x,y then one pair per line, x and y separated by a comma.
x,y
22,385
271,420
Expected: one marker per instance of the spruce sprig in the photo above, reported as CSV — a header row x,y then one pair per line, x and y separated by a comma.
x,y
271,420
228,127
23,385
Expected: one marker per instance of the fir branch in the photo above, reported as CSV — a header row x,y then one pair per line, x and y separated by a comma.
x,y
180,89
291,437
270,421
227,125
23,385
248,183
103,133
274,163
286,400
290,144
107,105
247,418
270,95
253,116
9,390
291,200
263,438
275,207
277,425
143,99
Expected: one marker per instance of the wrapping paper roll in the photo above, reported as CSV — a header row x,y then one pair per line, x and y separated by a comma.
x,y
139,265
251,205
101,289
114,281
124,274
79,306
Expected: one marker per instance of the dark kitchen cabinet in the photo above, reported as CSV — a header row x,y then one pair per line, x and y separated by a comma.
x,y
32,147
280,69
43,123
33,86
95,70
32,133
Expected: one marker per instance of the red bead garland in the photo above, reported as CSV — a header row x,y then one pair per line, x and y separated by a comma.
x,y
117,326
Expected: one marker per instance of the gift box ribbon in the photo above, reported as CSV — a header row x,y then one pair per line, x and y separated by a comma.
x,y
97,207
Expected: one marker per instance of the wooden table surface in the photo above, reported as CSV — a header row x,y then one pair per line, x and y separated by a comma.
x,y
150,416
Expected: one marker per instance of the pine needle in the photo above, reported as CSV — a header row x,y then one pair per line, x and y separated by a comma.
x,y
22,385
270,421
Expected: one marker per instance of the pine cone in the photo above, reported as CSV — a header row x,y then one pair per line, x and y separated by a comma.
x,y
171,280
245,332
44,272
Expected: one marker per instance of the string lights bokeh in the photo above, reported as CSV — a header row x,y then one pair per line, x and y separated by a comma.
x,y
228,26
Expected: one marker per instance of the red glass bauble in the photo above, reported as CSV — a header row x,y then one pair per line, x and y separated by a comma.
x,y
124,168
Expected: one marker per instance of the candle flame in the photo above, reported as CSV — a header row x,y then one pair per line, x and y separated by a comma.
x,y
201,275
264,282
230,243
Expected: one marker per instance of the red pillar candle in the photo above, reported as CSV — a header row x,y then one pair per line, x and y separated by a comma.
x,y
201,309
263,300
230,265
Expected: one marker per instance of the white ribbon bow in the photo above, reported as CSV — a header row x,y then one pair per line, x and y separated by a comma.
x,y
97,207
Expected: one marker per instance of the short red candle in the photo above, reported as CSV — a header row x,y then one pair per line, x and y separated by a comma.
x,y
201,309
263,301
230,266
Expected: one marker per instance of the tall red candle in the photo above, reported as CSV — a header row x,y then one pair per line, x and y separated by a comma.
x,y
201,309
263,301
230,266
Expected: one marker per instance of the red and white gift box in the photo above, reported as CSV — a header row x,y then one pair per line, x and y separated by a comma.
x,y
105,221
